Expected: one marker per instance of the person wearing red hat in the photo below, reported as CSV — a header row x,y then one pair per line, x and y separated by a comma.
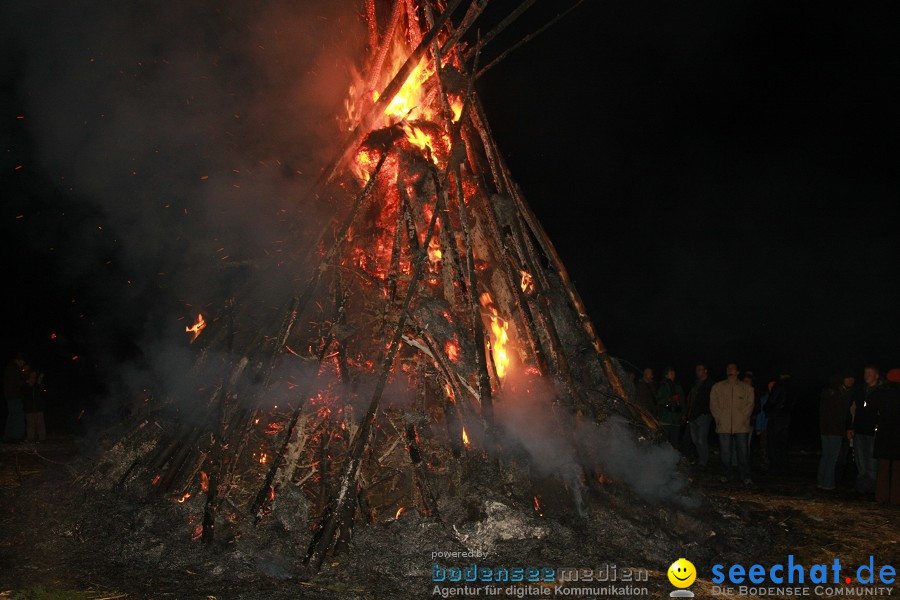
x,y
887,441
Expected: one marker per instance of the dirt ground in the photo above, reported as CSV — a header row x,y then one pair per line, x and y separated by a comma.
x,y
58,540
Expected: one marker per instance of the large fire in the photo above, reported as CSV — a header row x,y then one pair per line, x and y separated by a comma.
x,y
416,103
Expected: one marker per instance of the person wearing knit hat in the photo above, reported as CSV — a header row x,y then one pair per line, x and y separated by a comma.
x,y
887,441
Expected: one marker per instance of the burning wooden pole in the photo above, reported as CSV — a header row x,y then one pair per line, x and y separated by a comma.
x,y
347,484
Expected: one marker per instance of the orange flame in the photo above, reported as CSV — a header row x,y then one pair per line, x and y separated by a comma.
x,y
434,250
456,105
204,481
409,101
527,282
365,161
465,438
399,512
196,328
452,350
499,335
263,458
185,497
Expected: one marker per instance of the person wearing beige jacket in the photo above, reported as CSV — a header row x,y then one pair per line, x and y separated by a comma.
x,y
731,404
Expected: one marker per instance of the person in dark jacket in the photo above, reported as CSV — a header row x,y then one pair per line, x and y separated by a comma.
x,y
778,413
833,406
699,416
887,441
645,392
861,428
670,402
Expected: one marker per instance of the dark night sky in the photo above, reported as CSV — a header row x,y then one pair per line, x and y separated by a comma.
x,y
720,178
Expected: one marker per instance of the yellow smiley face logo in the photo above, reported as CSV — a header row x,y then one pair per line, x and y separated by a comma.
x,y
682,573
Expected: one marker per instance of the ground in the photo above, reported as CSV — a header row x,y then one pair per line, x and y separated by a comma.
x,y
58,540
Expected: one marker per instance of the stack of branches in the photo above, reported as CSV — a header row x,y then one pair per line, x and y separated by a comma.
x,y
433,290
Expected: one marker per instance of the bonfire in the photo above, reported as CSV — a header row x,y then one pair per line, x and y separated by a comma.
x,y
438,334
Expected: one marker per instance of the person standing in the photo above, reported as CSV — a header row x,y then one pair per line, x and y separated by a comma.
x,y
747,377
645,392
670,401
34,408
14,391
861,429
778,411
761,423
731,405
887,441
833,406
699,416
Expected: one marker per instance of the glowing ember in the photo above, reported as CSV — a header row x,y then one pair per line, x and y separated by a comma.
x,y
537,507
185,497
198,533
204,481
465,438
263,458
434,250
499,335
527,282
399,512
364,164
155,480
452,350
196,328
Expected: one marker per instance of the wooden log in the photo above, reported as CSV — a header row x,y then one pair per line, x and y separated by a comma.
x,y
526,39
483,379
412,22
472,13
384,47
550,251
372,23
267,490
337,510
217,466
515,14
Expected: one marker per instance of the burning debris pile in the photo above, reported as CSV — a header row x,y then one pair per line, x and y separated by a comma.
x,y
438,342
